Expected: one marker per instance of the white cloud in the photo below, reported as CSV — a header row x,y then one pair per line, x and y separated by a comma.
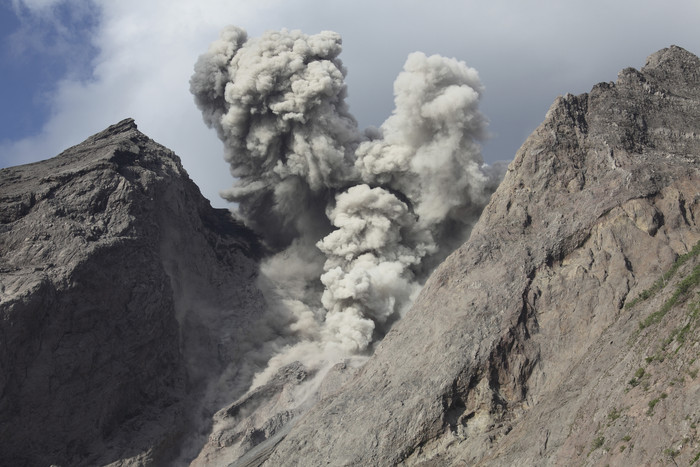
x,y
147,50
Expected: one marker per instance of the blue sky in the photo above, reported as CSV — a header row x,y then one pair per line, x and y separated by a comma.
x,y
37,50
70,68
15,93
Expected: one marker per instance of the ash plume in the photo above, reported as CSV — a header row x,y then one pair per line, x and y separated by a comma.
x,y
278,104
356,220
428,149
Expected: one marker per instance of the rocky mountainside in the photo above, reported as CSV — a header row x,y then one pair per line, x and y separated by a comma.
x,y
123,295
522,348
564,332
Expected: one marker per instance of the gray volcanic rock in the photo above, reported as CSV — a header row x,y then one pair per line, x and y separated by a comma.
x,y
123,296
519,350
246,431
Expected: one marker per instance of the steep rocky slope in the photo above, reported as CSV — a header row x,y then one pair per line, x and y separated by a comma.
x,y
520,349
123,295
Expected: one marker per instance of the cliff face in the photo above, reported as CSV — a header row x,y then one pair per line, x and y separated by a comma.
x,y
520,349
122,298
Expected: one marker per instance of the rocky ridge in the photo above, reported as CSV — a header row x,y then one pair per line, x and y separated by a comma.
x,y
520,349
123,296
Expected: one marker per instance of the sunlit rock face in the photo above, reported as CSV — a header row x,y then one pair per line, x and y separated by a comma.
x,y
519,346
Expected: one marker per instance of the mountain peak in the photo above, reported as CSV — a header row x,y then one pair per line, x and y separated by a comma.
x,y
677,69
669,58
115,294
116,131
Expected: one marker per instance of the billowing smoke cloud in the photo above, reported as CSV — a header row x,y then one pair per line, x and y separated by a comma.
x,y
278,104
428,150
356,220
368,274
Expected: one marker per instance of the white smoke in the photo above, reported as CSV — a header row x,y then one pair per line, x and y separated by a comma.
x,y
356,221
368,271
428,149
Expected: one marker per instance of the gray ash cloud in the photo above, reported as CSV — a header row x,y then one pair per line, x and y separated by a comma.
x,y
356,219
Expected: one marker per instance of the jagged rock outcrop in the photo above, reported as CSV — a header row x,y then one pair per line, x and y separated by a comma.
x,y
123,296
520,349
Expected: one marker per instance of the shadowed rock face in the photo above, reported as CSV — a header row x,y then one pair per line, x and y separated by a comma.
x,y
519,347
122,293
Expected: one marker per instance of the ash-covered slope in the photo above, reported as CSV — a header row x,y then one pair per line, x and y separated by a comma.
x,y
123,296
520,350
